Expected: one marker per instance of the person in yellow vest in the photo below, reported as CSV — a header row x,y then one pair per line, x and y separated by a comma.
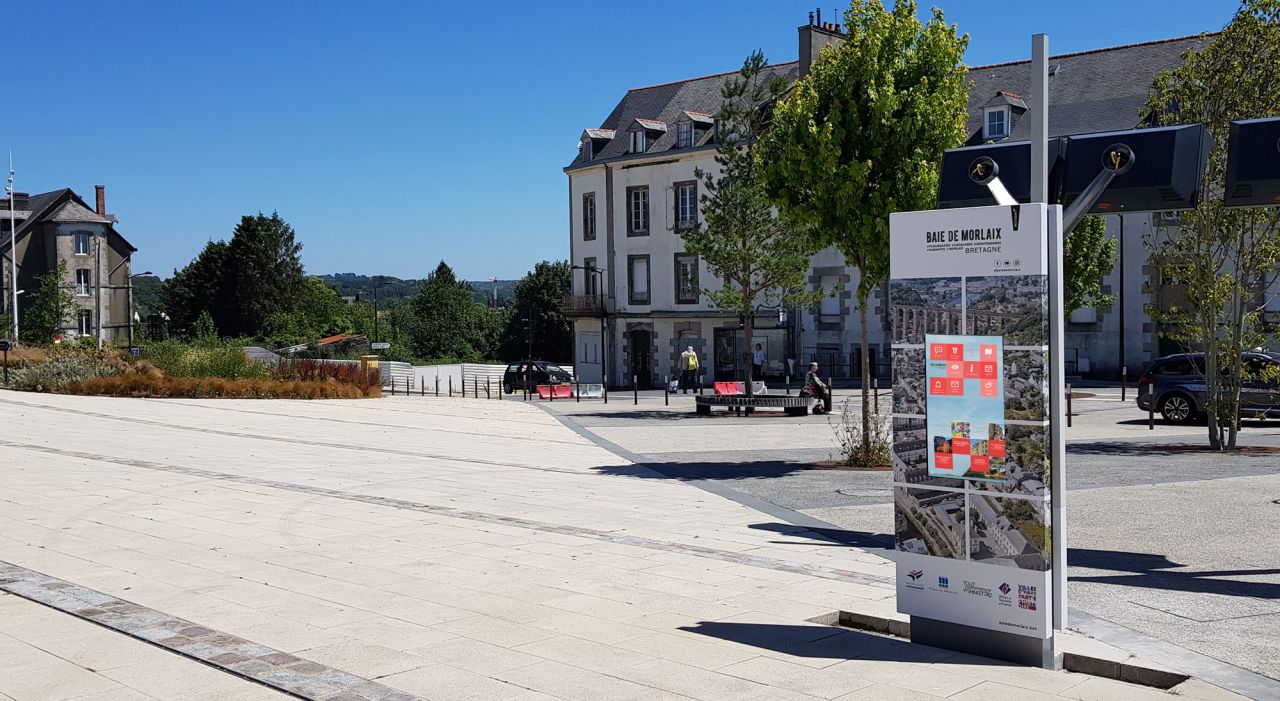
x,y
688,370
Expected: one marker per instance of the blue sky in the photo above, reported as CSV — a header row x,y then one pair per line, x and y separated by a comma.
x,y
394,134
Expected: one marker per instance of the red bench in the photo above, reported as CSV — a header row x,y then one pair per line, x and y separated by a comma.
x,y
562,391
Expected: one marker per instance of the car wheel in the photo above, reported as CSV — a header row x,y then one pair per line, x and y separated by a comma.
x,y
1178,409
506,388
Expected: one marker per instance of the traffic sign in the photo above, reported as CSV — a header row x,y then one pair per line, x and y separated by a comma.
x,y
5,345
379,346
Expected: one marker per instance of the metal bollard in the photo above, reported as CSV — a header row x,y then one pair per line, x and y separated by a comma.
x,y
699,385
604,388
1068,406
666,390
1151,407
475,387
875,387
437,385
487,395
788,385
451,386
422,386
551,390
578,392
1124,381
635,389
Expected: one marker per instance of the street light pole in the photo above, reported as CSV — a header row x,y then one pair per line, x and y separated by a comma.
x,y
13,250
130,312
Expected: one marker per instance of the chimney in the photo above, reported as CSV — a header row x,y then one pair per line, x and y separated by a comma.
x,y
101,192
813,37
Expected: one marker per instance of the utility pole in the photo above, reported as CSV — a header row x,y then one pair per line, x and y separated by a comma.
x,y
97,287
13,250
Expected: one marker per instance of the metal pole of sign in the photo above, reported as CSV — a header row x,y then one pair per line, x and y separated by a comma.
x,y
875,388
1124,381
666,390
1068,406
635,389
451,385
487,395
1151,407
1040,193
578,394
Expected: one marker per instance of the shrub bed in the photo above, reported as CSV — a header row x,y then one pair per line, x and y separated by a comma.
x,y
146,385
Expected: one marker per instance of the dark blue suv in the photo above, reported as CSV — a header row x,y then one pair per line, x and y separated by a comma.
x,y
1180,392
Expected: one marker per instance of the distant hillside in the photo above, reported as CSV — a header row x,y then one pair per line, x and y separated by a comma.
x,y
146,293
351,284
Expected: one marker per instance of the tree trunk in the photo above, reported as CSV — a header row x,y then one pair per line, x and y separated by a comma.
x,y
866,374
1212,389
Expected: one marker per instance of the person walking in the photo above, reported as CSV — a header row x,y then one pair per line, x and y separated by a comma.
x,y
817,388
688,369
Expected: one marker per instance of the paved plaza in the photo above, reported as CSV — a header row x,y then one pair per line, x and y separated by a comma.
x,y
419,547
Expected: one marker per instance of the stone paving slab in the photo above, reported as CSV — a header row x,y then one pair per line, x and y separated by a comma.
x,y
465,549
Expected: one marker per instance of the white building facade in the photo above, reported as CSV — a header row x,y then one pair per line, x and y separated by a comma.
x,y
632,188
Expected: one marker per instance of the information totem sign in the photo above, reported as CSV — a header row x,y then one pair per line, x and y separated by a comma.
x,y
968,295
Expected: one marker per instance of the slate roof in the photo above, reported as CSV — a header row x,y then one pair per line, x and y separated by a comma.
x,y
59,205
667,103
1091,91
74,212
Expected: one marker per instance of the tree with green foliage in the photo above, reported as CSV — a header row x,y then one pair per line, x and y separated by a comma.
x,y
264,273
757,255
862,136
319,312
449,323
242,283
1225,258
1087,255
197,288
538,296
52,306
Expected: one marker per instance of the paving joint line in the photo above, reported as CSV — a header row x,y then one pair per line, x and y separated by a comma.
x,y
293,441
228,653
820,571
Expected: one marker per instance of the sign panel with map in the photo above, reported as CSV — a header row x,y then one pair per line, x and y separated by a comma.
x,y
968,295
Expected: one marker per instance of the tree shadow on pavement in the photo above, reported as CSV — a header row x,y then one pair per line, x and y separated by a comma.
x,y
1151,571
708,470
830,536
1162,449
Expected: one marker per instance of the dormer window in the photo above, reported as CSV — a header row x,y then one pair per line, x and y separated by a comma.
x,y
996,124
588,151
594,141
684,135
638,141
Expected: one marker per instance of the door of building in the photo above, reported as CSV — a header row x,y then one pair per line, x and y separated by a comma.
x,y
726,355
642,358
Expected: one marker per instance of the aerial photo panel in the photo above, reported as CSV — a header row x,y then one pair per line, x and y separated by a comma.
x,y
929,522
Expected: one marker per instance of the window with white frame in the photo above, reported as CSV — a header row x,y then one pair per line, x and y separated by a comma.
x,y
81,243
638,210
639,141
589,216
684,135
686,203
638,279
84,324
997,126
84,281
686,278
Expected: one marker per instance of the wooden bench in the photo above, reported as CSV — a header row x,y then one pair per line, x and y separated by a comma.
x,y
791,405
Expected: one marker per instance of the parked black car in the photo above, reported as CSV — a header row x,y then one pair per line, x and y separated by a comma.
x,y
536,372
1180,390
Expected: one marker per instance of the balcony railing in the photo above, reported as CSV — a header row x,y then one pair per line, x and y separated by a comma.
x,y
584,305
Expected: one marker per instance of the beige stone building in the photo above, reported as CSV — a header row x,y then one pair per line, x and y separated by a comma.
x,y
59,226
